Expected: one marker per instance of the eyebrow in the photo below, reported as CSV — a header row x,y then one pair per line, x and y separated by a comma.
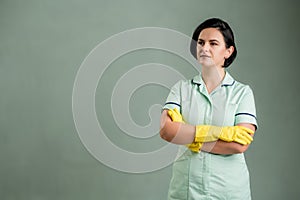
x,y
213,40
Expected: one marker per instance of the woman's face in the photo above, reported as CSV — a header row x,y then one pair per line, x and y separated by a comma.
x,y
211,48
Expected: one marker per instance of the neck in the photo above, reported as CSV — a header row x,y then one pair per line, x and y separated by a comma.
x,y
212,77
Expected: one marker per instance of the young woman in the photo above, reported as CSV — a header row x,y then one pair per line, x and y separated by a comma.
x,y
213,117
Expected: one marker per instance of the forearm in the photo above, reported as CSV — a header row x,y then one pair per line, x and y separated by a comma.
x,y
221,147
176,132
181,133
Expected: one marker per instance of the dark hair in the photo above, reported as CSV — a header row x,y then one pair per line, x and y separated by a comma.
x,y
226,31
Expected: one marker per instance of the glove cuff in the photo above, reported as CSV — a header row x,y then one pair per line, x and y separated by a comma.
x,y
207,133
194,147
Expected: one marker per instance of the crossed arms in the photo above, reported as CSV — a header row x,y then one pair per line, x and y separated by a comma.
x,y
183,134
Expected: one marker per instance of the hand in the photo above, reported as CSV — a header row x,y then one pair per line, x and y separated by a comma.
x,y
175,115
195,146
239,134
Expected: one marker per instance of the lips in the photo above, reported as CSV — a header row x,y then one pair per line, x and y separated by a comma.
x,y
204,56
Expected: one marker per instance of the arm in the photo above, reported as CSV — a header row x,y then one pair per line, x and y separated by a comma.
x,y
246,112
221,147
179,133
175,132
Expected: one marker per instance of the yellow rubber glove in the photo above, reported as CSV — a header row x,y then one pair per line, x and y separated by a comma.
x,y
239,134
207,133
195,146
177,117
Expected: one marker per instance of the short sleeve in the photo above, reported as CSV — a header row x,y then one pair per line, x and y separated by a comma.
x,y
173,99
246,111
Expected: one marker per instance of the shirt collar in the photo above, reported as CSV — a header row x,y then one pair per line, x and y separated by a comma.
x,y
227,81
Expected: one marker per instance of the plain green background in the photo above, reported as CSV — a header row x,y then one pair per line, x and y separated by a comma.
x,y
42,45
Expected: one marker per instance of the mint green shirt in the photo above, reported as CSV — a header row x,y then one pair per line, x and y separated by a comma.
x,y
205,175
229,104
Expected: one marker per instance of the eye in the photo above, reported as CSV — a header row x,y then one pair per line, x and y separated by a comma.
x,y
213,43
201,42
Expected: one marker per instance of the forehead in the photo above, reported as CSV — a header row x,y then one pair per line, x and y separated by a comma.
x,y
211,33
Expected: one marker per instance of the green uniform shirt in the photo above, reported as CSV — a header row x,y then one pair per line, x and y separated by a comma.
x,y
205,175
229,104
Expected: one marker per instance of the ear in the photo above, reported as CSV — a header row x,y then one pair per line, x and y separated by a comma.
x,y
228,52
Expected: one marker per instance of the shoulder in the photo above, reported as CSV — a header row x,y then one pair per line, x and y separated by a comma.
x,y
240,91
240,88
185,83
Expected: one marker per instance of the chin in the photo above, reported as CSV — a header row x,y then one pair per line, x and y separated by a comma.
x,y
206,63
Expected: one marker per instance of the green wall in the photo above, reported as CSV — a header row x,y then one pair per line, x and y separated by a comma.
x,y
42,46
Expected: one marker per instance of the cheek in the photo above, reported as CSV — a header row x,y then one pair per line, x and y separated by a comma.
x,y
221,54
198,52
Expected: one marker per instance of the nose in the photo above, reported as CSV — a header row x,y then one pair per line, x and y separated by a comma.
x,y
205,47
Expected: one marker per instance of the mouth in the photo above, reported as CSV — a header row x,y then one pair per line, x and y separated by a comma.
x,y
204,56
